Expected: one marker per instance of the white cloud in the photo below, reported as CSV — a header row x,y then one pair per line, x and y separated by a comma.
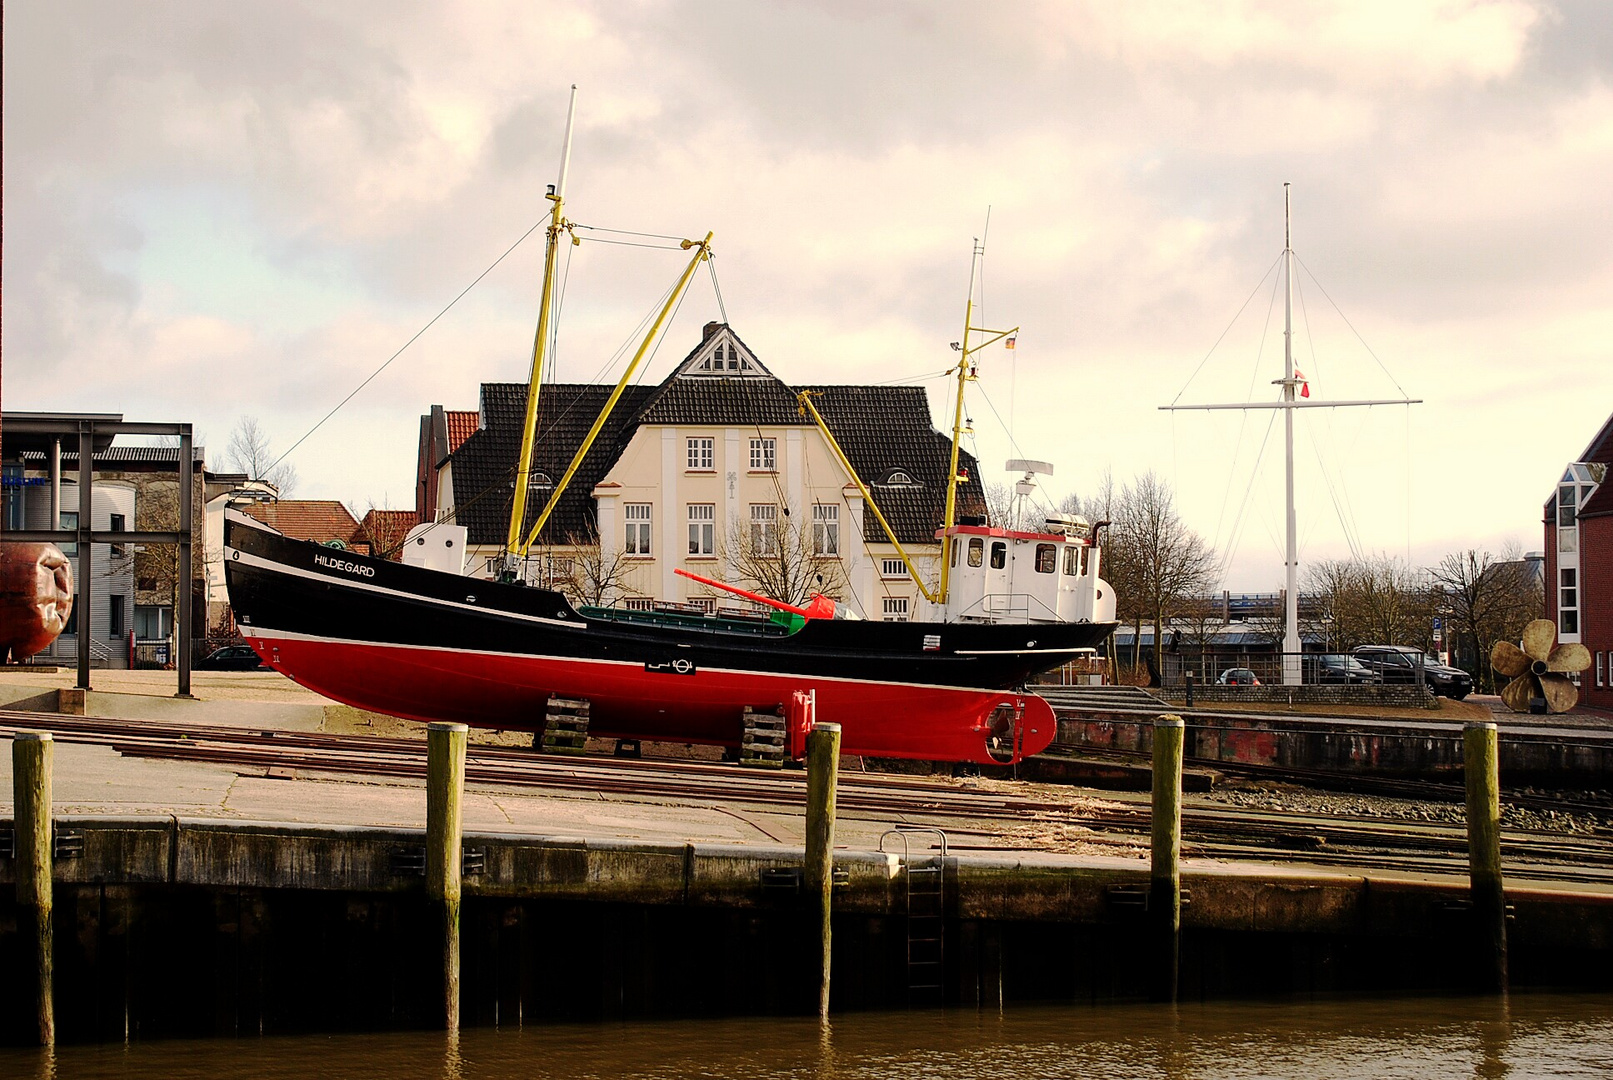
x,y
217,211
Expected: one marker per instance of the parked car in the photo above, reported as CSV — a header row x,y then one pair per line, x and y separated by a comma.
x,y
1340,668
1238,676
234,658
1398,664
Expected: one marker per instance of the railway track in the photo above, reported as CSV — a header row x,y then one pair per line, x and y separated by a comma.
x,y
1214,831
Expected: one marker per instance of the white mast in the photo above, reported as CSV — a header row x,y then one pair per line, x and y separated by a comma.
x,y
1289,402
1291,645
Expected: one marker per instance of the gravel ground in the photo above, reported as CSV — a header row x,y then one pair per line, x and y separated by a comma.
x,y
1285,799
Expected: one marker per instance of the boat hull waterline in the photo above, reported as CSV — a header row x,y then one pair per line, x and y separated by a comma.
x,y
426,645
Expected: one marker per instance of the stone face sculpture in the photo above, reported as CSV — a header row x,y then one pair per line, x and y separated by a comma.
x,y
36,598
1539,669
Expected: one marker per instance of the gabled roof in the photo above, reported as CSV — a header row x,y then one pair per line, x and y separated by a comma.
x,y
881,428
319,520
462,425
1600,504
385,531
1599,450
484,467
1601,447
720,354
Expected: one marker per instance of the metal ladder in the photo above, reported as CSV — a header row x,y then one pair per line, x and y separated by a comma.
x,y
925,879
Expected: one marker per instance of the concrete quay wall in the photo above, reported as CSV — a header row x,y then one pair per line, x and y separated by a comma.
x,y
173,926
1540,756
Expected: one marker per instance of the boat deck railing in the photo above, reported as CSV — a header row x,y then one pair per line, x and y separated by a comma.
x,y
711,624
1009,607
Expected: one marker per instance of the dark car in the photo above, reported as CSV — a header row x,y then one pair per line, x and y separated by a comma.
x,y
1343,669
1238,676
1399,663
233,658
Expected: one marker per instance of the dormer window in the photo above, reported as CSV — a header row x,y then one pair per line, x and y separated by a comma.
x,y
725,357
535,481
897,478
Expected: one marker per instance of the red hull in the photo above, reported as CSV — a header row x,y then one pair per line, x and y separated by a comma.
x,y
509,691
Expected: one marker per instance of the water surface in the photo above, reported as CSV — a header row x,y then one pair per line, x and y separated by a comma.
x,y
1330,1039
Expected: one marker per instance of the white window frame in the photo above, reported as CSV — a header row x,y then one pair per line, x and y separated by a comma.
x,y
1567,583
702,454
1601,670
894,609
702,529
892,568
826,530
639,603
639,517
764,455
764,528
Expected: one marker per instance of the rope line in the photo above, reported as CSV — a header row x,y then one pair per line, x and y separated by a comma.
x,y
417,334
1225,332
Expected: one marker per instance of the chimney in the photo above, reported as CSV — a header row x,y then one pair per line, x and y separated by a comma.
x,y
711,328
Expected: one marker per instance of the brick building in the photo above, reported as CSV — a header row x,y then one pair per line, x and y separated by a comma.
x,y
1579,563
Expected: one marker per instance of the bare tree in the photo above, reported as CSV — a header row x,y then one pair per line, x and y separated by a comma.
x,y
587,574
1485,600
156,566
786,558
384,531
1163,563
1378,600
1000,506
249,451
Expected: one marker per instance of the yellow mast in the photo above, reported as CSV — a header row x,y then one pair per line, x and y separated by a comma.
x,y
965,374
702,252
523,469
805,397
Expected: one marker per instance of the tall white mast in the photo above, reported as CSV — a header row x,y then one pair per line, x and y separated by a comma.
x,y
1291,645
1288,403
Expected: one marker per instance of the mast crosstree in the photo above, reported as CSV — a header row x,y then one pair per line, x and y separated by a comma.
x,y
1288,403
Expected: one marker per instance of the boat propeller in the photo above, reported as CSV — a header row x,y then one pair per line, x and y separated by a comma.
x,y
1540,669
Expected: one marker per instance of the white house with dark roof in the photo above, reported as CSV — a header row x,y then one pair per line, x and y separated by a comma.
x,y
716,460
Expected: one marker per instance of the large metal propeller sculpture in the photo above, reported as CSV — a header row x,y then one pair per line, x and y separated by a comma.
x,y
1540,669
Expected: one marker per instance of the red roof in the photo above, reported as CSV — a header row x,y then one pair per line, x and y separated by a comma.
x,y
385,531
320,520
461,426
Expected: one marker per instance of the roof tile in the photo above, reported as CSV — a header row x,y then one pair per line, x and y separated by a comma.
x,y
319,520
879,427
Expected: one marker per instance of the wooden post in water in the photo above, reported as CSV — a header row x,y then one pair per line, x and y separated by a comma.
x,y
823,773
1482,767
1165,850
31,756
445,783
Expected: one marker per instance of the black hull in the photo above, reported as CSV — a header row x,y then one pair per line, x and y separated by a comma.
x,y
301,604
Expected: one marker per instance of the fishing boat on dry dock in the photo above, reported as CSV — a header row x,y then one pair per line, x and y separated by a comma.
x,y
423,640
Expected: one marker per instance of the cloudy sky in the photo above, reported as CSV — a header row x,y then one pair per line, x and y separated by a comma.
x,y
225,210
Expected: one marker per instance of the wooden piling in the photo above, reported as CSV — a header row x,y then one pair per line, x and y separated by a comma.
x,y
823,768
1481,765
31,758
1165,849
445,784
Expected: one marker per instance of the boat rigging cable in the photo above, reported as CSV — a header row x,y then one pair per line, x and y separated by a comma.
x,y
1239,521
416,337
